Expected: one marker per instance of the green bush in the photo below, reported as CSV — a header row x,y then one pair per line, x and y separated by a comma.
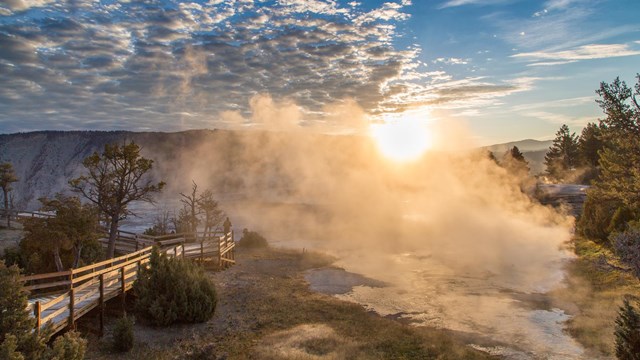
x,y
13,256
70,346
173,290
627,332
627,246
17,338
122,337
597,215
9,348
253,240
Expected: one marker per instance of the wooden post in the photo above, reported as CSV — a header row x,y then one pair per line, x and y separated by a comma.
x,y
101,305
201,252
72,305
36,313
220,239
123,288
183,250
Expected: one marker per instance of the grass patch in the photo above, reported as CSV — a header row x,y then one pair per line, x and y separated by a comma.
x,y
596,285
322,346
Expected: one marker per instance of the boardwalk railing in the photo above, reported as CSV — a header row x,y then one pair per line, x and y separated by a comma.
x,y
61,298
18,215
200,246
85,288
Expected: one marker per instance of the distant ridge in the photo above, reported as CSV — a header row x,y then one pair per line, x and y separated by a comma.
x,y
524,145
533,150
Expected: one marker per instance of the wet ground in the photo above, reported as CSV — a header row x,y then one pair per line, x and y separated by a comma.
x,y
484,305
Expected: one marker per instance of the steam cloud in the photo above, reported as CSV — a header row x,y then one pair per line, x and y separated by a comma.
x,y
454,214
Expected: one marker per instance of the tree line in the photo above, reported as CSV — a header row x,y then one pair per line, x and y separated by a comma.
x,y
607,156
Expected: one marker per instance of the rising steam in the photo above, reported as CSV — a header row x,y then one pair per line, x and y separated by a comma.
x,y
452,213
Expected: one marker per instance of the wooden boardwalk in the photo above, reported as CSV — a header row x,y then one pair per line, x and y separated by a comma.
x,y
61,298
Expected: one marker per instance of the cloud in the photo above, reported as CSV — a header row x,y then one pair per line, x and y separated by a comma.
x,y
558,118
585,52
455,3
553,5
128,65
452,61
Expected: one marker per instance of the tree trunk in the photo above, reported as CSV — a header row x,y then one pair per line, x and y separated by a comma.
x,y
56,259
6,207
113,235
77,255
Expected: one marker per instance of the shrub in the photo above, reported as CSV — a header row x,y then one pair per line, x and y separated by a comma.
x,y
16,324
17,338
253,240
627,246
596,219
122,337
9,348
70,346
174,290
13,256
627,332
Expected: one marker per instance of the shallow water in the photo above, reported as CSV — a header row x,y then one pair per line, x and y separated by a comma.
x,y
483,304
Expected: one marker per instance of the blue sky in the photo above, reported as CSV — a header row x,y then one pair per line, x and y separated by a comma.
x,y
509,69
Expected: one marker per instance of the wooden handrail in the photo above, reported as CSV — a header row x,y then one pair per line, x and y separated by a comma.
x,y
90,286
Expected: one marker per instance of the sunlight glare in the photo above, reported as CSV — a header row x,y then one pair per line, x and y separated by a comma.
x,y
403,139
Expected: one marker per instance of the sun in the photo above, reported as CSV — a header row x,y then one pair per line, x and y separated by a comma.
x,y
402,140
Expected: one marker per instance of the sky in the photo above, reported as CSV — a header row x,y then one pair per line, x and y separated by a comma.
x,y
508,69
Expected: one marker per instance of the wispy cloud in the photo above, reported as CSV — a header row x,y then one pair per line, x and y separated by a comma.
x,y
454,3
558,118
585,52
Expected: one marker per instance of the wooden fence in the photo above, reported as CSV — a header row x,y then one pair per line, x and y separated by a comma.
x,y
215,246
61,298
85,288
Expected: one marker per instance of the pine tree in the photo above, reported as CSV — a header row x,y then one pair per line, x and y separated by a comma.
x,y
563,154
64,236
627,332
514,161
620,159
116,178
17,337
615,197
589,144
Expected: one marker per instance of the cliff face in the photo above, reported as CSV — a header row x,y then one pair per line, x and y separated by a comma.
x,y
45,161
232,164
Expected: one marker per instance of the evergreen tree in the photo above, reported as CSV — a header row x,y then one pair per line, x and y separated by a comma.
x,y
627,332
589,144
615,197
116,178
514,161
67,238
563,154
17,337
18,340
7,177
213,215
620,159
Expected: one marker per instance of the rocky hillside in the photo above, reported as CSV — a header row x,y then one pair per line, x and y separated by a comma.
x,y
230,163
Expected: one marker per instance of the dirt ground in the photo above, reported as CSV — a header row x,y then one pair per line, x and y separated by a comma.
x,y
267,311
